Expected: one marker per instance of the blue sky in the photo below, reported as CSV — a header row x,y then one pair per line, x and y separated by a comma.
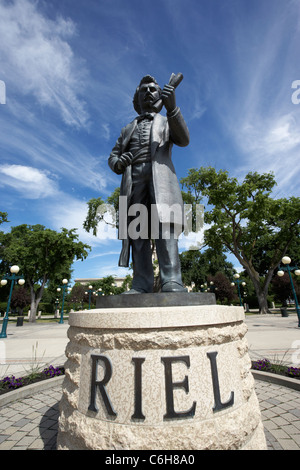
x,y
71,68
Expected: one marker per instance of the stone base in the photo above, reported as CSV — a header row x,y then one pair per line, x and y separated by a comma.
x,y
159,378
159,299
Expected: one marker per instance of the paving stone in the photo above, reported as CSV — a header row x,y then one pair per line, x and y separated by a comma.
x,y
3,437
269,413
29,427
10,430
280,421
273,401
22,422
296,412
7,445
296,438
290,429
17,436
37,444
26,441
288,444
270,425
279,434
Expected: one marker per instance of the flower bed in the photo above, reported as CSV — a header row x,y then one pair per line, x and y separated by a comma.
x,y
265,365
10,383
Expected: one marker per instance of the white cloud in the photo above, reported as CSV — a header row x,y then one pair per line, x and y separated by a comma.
x,y
31,182
39,61
272,144
69,212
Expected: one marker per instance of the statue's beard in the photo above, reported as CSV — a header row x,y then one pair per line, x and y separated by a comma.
x,y
148,102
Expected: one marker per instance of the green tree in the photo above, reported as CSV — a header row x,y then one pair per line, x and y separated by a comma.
x,y
222,288
282,288
244,218
20,299
43,256
107,285
3,217
100,210
197,266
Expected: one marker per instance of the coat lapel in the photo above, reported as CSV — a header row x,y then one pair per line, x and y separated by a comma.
x,y
156,133
128,133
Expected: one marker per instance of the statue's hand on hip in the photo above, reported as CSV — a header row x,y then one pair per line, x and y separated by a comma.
x,y
124,161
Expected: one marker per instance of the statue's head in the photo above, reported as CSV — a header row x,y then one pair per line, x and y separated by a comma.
x,y
146,94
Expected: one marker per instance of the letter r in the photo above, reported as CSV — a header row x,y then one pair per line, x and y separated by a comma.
x,y
101,384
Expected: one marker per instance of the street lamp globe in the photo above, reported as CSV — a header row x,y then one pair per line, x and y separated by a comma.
x,y
236,276
21,282
14,269
286,260
297,272
3,282
243,283
90,287
58,289
65,281
280,273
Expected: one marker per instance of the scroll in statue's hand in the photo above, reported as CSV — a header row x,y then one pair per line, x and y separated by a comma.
x,y
168,98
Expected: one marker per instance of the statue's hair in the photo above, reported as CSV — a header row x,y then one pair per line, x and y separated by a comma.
x,y
145,79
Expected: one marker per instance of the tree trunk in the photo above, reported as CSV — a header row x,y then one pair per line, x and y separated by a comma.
x,y
262,302
261,291
33,310
35,300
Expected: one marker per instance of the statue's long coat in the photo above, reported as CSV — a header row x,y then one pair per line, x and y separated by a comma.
x,y
164,132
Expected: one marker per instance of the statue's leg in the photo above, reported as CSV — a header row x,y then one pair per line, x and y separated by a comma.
x,y
169,262
143,277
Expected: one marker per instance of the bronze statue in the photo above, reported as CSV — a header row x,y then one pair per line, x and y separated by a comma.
x,y
142,155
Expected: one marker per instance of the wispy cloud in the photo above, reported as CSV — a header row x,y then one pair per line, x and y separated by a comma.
x,y
40,62
30,182
255,107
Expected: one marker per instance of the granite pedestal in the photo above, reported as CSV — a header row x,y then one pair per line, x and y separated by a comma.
x,y
158,378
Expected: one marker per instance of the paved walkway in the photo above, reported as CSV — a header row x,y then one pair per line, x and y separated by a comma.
x,y
31,422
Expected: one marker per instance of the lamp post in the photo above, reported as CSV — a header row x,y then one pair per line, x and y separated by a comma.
x,y
14,279
238,282
286,261
63,287
90,292
99,292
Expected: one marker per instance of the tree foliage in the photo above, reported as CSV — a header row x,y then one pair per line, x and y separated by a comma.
x,y
247,221
100,210
222,288
197,266
43,256
20,298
